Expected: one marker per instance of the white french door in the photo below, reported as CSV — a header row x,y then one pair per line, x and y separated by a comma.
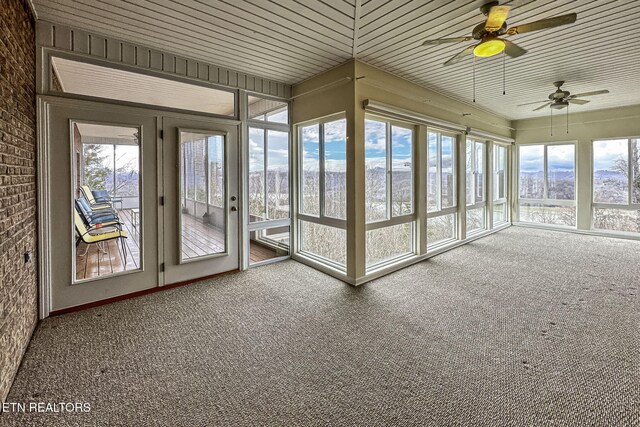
x,y
94,249
201,206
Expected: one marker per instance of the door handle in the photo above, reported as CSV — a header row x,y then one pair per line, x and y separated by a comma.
x,y
233,209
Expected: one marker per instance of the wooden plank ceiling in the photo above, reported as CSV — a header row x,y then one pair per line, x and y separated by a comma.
x,y
292,40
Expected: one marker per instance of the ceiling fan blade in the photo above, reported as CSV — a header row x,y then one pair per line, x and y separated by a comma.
x,y
531,103
578,101
543,24
444,41
513,50
497,16
543,106
460,56
596,92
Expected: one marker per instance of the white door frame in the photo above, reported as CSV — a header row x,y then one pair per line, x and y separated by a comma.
x,y
44,184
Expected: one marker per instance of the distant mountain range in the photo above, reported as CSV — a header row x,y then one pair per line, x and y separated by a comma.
x,y
599,175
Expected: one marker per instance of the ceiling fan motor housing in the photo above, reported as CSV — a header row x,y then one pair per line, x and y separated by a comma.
x,y
559,105
559,95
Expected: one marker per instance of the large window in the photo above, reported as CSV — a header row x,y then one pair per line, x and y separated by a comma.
x,y
476,179
547,184
441,188
322,191
616,185
500,184
389,207
388,170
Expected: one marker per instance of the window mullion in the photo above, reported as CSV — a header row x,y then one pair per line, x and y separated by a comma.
x,y
630,171
265,162
545,169
439,171
321,184
389,170
474,172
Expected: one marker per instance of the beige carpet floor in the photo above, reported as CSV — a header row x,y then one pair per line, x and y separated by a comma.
x,y
522,328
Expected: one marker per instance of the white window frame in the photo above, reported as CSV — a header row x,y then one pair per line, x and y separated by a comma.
x,y
494,182
392,220
452,210
321,218
546,202
265,126
620,206
482,204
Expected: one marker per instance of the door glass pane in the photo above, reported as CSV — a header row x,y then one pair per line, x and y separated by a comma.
x,y
256,181
375,154
561,172
448,175
401,171
335,169
532,171
277,175
432,172
310,170
203,217
107,213
611,171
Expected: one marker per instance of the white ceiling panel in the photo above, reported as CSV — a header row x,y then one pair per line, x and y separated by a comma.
x,y
292,40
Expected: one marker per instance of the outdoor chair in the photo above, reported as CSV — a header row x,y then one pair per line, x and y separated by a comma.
x,y
93,202
95,216
98,234
101,196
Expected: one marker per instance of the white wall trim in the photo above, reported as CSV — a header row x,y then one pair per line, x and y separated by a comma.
x,y
43,192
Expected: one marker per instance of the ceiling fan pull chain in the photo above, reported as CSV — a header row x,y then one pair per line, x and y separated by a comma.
x,y
551,110
474,78
504,85
567,118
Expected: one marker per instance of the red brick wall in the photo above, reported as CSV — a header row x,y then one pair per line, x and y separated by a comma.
x,y
18,226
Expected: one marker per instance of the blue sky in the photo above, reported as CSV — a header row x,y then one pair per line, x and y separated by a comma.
x,y
375,145
278,155
559,157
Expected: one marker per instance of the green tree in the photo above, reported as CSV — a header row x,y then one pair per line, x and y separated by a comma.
x,y
95,172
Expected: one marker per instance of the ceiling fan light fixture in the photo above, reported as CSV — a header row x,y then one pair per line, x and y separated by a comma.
x,y
489,47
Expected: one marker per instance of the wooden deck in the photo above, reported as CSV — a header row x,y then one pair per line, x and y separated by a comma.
x,y
97,263
198,239
260,252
